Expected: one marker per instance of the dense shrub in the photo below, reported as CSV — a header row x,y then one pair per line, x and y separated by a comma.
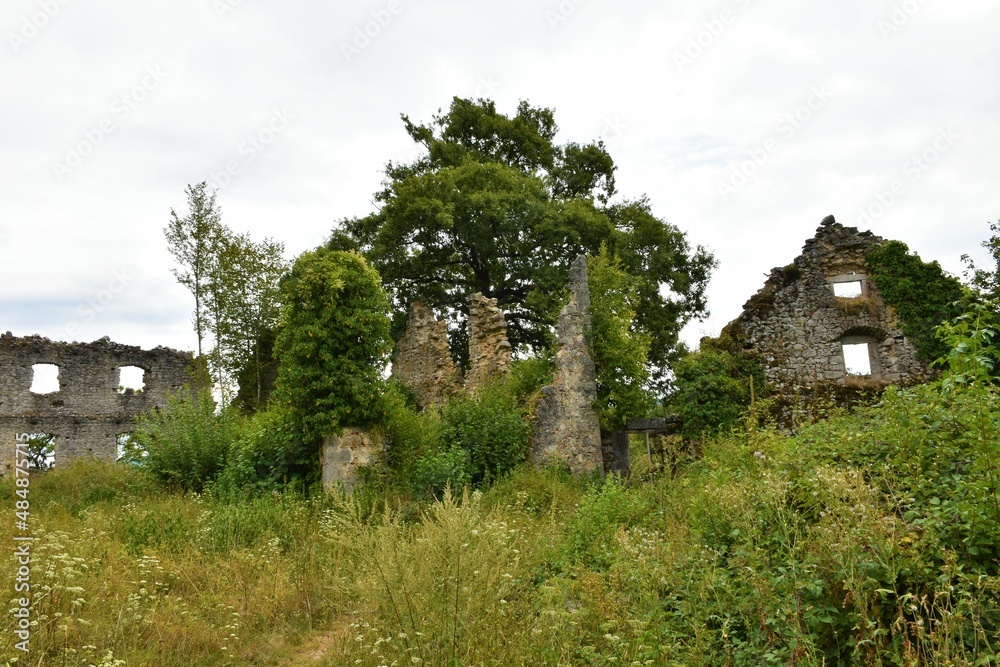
x,y
333,342
412,433
186,444
713,390
271,453
490,428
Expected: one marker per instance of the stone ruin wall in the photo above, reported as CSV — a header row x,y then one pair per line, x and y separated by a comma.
x,y
798,326
88,413
489,349
566,425
423,361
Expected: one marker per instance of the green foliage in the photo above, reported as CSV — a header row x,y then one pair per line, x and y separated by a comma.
x,y
271,453
489,427
527,376
495,206
473,439
604,510
987,281
413,434
621,349
333,342
40,452
713,390
922,294
186,444
433,473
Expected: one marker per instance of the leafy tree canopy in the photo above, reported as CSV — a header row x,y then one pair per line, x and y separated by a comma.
x,y
496,206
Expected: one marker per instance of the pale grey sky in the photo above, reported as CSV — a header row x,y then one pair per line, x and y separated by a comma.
x,y
112,107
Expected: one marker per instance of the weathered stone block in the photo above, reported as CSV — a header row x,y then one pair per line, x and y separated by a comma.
x,y
489,349
423,361
341,457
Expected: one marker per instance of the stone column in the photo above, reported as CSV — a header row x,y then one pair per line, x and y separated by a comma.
x,y
566,427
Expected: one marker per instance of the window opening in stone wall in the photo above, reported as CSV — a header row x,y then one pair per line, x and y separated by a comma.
x,y
44,379
130,377
848,290
40,452
856,359
129,450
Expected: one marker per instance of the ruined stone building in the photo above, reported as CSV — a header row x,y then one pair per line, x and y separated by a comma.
x,y
88,408
821,321
566,427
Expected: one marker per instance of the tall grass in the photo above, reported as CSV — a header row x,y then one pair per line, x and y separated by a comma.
x,y
864,540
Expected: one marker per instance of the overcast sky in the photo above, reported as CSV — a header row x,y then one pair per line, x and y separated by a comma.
x,y
745,122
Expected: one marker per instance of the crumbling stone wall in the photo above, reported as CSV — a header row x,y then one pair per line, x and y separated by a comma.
x,y
342,457
566,424
489,349
423,361
88,412
797,326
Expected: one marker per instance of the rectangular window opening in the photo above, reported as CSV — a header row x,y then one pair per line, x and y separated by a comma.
x,y
44,379
130,378
856,359
848,290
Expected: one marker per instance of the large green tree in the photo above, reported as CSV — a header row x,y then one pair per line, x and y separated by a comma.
x,y
496,206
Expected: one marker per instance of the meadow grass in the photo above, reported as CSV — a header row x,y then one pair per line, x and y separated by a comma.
x,y
769,549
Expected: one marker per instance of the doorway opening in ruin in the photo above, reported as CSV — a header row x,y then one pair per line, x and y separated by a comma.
x,y
44,379
848,290
857,359
130,378
40,452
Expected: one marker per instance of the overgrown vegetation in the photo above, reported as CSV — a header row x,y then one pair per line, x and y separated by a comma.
x,y
922,294
714,387
869,538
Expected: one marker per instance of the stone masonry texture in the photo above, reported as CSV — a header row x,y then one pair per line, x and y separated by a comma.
x,y
88,412
489,349
342,457
423,361
566,427
797,326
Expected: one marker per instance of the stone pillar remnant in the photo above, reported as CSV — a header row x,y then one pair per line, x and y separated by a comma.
x,y
566,427
423,362
489,349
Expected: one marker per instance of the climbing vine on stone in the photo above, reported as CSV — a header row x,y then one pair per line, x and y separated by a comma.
x,y
922,294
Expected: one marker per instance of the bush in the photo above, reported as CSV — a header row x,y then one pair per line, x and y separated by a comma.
x,y
413,434
434,473
186,444
713,390
333,342
271,454
603,510
490,428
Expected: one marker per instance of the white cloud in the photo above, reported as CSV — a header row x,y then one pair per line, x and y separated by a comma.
x,y
682,132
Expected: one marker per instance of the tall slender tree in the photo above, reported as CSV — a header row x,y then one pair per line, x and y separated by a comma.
x,y
193,241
